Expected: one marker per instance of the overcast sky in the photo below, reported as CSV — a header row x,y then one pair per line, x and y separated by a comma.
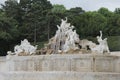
x,y
88,5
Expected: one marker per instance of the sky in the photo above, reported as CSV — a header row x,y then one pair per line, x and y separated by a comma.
x,y
87,5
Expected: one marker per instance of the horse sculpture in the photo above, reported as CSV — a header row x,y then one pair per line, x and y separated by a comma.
x,y
102,46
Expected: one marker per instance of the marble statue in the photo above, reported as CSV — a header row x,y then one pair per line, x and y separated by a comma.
x,y
25,47
99,38
71,39
85,44
65,38
102,46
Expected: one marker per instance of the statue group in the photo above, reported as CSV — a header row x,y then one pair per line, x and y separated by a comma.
x,y
25,48
65,40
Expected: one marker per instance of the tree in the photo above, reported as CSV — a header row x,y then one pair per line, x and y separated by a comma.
x,y
31,16
54,17
8,32
89,23
117,11
27,16
8,27
12,9
76,11
113,25
58,9
34,18
105,12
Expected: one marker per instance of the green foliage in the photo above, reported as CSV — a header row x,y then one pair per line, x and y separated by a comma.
x,y
117,11
41,44
90,23
8,27
105,12
36,20
58,9
114,43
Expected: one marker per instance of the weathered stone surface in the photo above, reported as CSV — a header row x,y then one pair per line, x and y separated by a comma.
x,y
65,62
50,63
57,75
61,67
2,64
104,63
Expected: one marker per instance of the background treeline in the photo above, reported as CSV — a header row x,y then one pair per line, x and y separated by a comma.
x,y
36,21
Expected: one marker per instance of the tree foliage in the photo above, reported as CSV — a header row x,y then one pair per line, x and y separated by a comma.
x,y
36,20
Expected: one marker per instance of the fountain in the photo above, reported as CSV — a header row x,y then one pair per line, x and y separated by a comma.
x,y
25,48
65,38
66,60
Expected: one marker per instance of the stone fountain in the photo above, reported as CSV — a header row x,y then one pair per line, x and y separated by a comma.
x,y
66,40
63,59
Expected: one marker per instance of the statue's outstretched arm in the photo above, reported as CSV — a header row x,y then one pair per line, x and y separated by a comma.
x,y
101,34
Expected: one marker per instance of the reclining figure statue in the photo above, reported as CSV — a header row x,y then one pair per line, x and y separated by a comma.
x,y
102,46
25,48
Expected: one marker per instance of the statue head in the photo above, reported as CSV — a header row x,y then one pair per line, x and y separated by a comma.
x,y
98,37
25,41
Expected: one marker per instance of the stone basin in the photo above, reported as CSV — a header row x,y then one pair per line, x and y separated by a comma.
x,y
60,75
61,67
65,62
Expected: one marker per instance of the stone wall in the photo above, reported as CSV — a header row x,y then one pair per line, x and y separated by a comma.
x,y
65,62
2,64
57,75
61,67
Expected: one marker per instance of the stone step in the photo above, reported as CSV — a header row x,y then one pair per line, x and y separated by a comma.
x,y
59,75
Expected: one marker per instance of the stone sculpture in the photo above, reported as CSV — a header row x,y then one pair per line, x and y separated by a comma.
x,y
85,44
25,48
99,38
102,46
71,39
64,39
